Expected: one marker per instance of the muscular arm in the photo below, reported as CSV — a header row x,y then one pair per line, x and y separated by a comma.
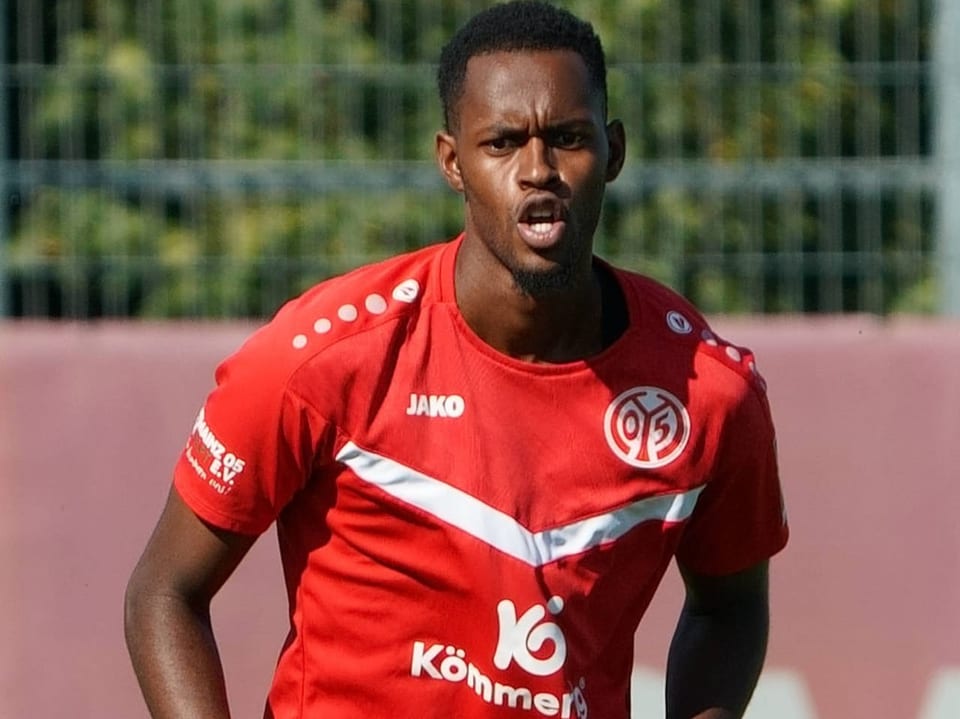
x,y
719,644
167,614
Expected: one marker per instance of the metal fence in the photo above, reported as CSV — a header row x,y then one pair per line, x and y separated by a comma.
x,y
210,158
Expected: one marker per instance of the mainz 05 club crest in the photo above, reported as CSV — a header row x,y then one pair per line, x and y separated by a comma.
x,y
647,427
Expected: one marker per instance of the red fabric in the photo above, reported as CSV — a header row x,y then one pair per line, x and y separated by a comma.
x,y
399,612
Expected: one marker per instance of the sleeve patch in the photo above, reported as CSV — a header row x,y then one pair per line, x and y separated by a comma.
x,y
212,461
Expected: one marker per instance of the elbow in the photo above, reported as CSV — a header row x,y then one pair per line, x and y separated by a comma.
x,y
145,602
133,607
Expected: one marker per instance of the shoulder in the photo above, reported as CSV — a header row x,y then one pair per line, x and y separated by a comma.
x,y
679,326
343,309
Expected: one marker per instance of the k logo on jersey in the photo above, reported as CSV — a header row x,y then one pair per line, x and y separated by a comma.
x,y
520,638
647,427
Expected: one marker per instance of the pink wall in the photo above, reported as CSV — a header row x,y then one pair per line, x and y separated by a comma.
x,y
865,597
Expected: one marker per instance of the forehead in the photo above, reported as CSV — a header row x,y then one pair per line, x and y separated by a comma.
x,y
551,82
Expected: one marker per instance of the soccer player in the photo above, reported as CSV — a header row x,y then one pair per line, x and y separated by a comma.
x,y
481,456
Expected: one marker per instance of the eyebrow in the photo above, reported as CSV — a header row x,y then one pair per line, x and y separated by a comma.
x,y
505,128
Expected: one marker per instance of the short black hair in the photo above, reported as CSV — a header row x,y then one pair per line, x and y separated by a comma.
x,y
517,26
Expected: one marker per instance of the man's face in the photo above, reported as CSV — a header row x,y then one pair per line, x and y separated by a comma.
x,y
532,155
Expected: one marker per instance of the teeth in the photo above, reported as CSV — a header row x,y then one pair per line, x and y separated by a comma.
x,y
541,226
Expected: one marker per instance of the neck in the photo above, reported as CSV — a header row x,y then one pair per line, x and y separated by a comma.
x,y
561,325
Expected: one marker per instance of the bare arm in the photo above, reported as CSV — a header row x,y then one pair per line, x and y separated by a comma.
x,y
719,644
167,614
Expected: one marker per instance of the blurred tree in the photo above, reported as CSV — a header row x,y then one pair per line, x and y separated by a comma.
x,y
233,86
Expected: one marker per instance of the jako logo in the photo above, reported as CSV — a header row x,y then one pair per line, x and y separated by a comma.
x,y
647,427
436,405
520,640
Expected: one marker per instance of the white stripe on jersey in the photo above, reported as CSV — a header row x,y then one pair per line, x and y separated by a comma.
x,y
500,530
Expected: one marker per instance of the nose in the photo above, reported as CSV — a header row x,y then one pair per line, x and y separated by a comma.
x,y
538,164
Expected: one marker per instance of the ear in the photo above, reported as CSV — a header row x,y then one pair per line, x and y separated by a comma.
x,y
448,160
617,147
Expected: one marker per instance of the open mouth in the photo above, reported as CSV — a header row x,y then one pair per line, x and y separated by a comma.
x,y
542,224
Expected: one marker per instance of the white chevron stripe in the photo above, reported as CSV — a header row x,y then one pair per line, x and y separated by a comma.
x,y
500,530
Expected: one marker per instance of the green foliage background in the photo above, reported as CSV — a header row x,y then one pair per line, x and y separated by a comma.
x,y
318,86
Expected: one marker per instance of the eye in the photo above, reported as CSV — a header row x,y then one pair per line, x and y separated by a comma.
x,y
568,139
502,144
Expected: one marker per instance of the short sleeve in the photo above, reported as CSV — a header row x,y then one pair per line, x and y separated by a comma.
x,y
253,444
739,519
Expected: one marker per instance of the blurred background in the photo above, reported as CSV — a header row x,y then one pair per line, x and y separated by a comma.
x,y
172,170
208,158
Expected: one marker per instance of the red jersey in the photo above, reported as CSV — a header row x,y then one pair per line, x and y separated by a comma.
x,y
463,533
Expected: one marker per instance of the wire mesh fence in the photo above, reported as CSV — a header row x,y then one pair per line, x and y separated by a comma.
x,y
210,158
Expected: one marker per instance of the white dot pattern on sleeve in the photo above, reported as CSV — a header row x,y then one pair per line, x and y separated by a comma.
x,y
374,303
348,313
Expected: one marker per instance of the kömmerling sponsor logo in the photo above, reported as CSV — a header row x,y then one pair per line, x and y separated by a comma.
x,y
519,637
454,667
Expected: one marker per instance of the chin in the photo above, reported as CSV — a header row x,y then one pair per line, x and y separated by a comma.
x,y
539,282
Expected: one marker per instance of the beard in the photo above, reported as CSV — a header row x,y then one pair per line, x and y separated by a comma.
x,y
564,274
544,282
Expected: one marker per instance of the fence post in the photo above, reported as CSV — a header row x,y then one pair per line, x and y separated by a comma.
x,y
946,85
6,165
